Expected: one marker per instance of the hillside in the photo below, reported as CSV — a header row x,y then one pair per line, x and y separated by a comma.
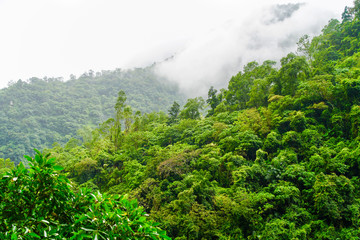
x,y
276,157
38,112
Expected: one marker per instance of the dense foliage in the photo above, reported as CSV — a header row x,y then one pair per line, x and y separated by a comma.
x,y
39,112
276,157
39,203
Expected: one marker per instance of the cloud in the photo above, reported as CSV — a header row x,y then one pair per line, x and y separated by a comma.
x,y
267,33
209,40
281,12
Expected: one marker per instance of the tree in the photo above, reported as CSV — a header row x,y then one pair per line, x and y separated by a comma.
x,y
192,108
239,90
174,113
119,115
239,86
355,120
39,203
259,93
6,165
213,100
293,70
128,118
356,9
346,15
137,121
306,48
332,196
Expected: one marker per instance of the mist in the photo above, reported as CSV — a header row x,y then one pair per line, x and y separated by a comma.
x,y
204,42
267,33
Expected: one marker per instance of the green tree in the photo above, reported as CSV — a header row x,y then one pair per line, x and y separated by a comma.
x,y
346,16
306,48
47,207
6,165
127,117
356,9
213,100
238,93
294,69
332,195
259,93
192,108
119,115
174,113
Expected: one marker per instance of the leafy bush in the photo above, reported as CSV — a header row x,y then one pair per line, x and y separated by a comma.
x,y
39,202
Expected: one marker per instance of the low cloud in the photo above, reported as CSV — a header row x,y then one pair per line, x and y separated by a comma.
x,y
281,12
205,41
268,33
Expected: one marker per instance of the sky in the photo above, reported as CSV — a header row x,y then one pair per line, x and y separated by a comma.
x,y
205,42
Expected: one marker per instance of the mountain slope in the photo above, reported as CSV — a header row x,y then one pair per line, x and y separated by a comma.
x,y
39,112
277,156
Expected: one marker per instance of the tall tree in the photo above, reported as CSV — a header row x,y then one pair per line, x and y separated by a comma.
x,y
356,9
119,115
306,48
346,16
213,100
293,70
192,108
127,117
174,113
240,85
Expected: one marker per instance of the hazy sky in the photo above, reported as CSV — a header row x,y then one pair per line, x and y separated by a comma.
x,y
209,39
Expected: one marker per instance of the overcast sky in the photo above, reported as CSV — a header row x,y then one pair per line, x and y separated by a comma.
x,y
209,40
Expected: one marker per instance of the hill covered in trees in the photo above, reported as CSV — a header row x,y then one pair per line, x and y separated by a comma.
x,y
276,156
38,112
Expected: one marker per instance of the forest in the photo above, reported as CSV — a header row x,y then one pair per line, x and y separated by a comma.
x,y
275,155
38,112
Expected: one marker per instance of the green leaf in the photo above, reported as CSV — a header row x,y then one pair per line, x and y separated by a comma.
x,y
37,151
58,168
51,161
39,159
34,235
81,218
14,236
28,158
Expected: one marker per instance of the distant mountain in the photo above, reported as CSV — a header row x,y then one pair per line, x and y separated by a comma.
x,y
39,112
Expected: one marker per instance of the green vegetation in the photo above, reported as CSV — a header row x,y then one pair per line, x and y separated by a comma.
x,y
39,203
276,157
39,112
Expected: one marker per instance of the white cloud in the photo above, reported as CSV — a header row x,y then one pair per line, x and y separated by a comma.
x,y
211,59
211,38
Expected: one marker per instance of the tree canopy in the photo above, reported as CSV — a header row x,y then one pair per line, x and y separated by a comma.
x,y
276,156
38,112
